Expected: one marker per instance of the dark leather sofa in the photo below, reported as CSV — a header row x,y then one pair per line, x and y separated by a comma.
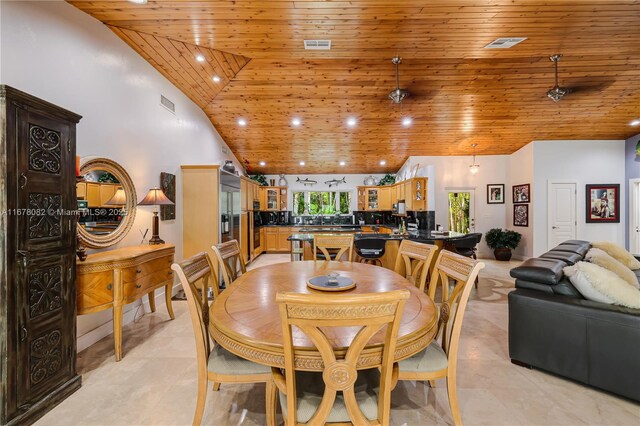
x,y
553,328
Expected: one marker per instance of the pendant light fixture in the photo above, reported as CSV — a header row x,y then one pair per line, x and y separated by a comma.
x,y
474,168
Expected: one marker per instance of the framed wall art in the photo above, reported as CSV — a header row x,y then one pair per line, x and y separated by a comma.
x,y
168,186
521,193
603,203
520,215
495,193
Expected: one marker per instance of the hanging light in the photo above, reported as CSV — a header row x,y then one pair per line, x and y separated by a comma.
x,y
474,168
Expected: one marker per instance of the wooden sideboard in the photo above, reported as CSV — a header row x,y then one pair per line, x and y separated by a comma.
x,y
114,278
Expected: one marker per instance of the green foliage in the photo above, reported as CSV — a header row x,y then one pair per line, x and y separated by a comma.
x,y
108,178
387,180
499,238
261,179
321,202
459,211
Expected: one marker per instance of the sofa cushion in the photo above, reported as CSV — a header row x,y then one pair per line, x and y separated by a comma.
x,y
566,256
581,249
544,271
601,285
601,258
563,288
619,253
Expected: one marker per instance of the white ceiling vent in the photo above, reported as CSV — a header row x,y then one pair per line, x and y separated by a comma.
x,y
165,102
504,43
317,44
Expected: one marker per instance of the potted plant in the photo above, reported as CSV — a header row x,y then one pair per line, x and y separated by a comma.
x,y
260,178
502,242
387,180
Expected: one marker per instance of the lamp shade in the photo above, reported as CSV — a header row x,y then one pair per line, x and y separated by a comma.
x,y
118,199
155,197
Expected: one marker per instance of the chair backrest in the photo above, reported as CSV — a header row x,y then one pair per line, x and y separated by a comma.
x,y
313,313
370,244
452,269
229,260
478,236
324,243
466,242
190,271
413,261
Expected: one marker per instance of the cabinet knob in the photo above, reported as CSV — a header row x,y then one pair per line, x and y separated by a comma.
x,y
109,286
138,285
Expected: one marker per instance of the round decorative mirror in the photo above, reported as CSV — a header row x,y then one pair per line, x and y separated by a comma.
x,y
106,202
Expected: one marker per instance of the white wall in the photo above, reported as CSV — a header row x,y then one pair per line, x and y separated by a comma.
x,y
353,180
584,162
56,52
449,173
521,169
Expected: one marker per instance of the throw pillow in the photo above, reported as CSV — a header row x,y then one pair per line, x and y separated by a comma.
x,y
602,258
619,253
601,285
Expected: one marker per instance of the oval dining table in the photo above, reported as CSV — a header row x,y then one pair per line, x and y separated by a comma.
x,y
245,318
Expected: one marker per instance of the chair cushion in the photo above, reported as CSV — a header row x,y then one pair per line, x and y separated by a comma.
x,y
430,359
310,388
222,361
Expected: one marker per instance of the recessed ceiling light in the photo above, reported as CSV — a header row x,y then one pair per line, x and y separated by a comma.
x,y
382,162
343,163
302,163
351,121
216,79
138,1
242,122
635,122
262,163
296,122
406,121
199,58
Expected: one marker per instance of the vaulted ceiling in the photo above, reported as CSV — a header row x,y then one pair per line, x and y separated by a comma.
x,y
461,93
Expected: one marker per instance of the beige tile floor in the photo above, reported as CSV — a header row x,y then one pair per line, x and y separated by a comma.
x,y
155,383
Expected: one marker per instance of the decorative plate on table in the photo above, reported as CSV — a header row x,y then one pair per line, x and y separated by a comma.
x,y
326,283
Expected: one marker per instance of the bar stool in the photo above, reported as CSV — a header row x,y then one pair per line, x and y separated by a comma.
x,y
370,250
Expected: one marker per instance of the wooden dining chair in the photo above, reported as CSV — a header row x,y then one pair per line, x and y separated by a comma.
x,y
332,247
364,396
439,360
230,259
413,261
215,363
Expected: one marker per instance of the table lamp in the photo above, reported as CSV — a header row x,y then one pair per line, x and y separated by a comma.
x,y
118,199
155,197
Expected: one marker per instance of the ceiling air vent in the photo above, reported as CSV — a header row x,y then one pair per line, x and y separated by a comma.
x,y
317,44
167,104
504,43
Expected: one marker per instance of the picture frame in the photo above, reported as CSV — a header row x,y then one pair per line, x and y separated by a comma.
x,y
168,186
603,203
521,215
521,193
495,193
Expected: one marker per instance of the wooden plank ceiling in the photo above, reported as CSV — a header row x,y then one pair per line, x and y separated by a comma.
x,y
461,93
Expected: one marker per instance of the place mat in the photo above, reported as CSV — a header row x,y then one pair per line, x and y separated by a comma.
x,y
322,283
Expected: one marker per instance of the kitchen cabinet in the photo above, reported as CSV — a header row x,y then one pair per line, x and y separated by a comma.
x,y
283,234
282,198
271,239
384,198
244,236
372,199
244,191
93,194
361,193
107,191
272,198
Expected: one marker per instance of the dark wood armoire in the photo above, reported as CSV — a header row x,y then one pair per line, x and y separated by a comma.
x,y
37,256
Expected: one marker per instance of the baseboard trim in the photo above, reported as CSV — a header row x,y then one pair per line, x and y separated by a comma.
x,y
106,329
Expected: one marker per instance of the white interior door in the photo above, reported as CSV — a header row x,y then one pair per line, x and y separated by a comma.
x,y
462,216
634,216
562,213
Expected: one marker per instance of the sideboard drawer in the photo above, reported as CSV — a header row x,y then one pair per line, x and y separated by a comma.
x,y
134,273
94,291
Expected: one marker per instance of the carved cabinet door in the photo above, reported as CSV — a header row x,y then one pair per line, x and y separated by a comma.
x,y
45,178
45,239
46,348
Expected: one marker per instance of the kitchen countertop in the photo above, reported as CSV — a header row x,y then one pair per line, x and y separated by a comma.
x,y
422,235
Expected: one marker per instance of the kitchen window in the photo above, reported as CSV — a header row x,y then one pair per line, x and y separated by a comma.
x,y
321,202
